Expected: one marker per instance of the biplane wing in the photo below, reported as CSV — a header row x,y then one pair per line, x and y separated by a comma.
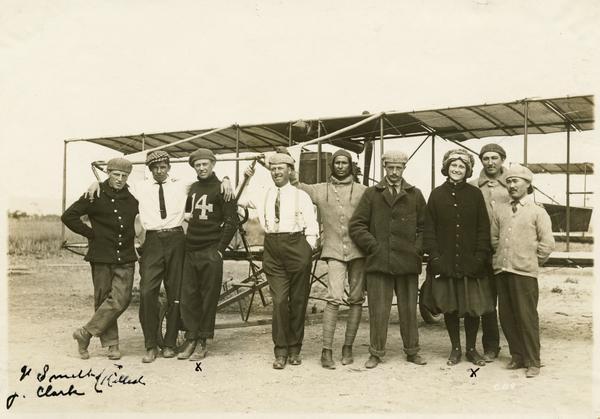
x,y
358,132
533,116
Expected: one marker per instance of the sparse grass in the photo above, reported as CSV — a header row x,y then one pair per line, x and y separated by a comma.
x,y
37,236
40,236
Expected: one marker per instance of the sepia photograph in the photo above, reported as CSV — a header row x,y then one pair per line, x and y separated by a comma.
x,y
267,208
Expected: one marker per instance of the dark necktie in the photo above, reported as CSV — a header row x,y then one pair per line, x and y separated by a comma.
x,y
393,190
514,205
161,201
277,204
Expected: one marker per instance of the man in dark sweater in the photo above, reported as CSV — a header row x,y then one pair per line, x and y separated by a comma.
x,y
211,227
111,254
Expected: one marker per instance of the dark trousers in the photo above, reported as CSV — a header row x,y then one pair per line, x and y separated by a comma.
x,y
380,292
490,334
201,287
517,305
112,294
287,260
162,261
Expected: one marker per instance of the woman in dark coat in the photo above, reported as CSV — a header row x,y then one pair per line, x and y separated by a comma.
x,y
457,240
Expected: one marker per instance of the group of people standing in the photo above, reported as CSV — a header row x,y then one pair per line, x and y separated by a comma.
x,y
484,240
189,265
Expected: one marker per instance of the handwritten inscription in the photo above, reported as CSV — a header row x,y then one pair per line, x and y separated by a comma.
x,y
10,399
66,384
198,367
473,372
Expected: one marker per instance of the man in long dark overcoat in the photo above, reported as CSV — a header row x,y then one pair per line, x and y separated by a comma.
x,y
388,225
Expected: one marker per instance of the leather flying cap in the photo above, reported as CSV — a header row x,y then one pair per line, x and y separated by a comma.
x,y
458,154
119,163
202,153
343,153
157,156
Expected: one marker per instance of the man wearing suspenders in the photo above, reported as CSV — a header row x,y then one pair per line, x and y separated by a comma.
x,y
291,230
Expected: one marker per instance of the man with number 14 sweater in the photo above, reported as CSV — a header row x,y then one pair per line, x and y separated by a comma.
x,y
211,227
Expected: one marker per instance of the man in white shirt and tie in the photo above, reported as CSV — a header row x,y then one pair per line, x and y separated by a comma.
x,y
162,209
291,231
162,201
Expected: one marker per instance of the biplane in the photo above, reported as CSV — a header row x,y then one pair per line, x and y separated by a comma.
x,y
367,132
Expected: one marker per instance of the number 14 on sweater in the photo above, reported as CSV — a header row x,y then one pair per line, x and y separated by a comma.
x,y
202,206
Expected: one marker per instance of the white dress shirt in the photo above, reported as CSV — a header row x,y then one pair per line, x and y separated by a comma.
x,y
296,211
175,193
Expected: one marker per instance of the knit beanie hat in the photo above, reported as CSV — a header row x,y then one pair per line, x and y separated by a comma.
x,y
458,154
492,147
201,153
119,163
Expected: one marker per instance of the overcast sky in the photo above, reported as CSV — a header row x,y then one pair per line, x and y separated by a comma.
x,y
86,69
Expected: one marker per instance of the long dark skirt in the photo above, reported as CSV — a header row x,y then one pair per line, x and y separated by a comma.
x,y
472,296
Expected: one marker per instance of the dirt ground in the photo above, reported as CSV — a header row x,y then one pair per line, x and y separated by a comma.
x,y
49,302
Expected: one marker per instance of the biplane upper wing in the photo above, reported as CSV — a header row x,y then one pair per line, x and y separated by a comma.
x,y
458,124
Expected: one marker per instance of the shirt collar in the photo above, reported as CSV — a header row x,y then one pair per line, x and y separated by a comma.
x,y
284,187
347,180
393,184
484,178
167,180
526,200
383,184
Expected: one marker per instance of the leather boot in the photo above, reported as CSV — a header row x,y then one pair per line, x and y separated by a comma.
x,y
347,357
327,359
372,361
82,337
200,352
151,354
188,349
114,353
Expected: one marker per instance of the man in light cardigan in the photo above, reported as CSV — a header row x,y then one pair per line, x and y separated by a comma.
x,y
522,240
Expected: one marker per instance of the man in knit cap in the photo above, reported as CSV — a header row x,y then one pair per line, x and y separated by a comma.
x,y
387,226
492,183
336,201
162,201
291,232
522,241
211,227
111,254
